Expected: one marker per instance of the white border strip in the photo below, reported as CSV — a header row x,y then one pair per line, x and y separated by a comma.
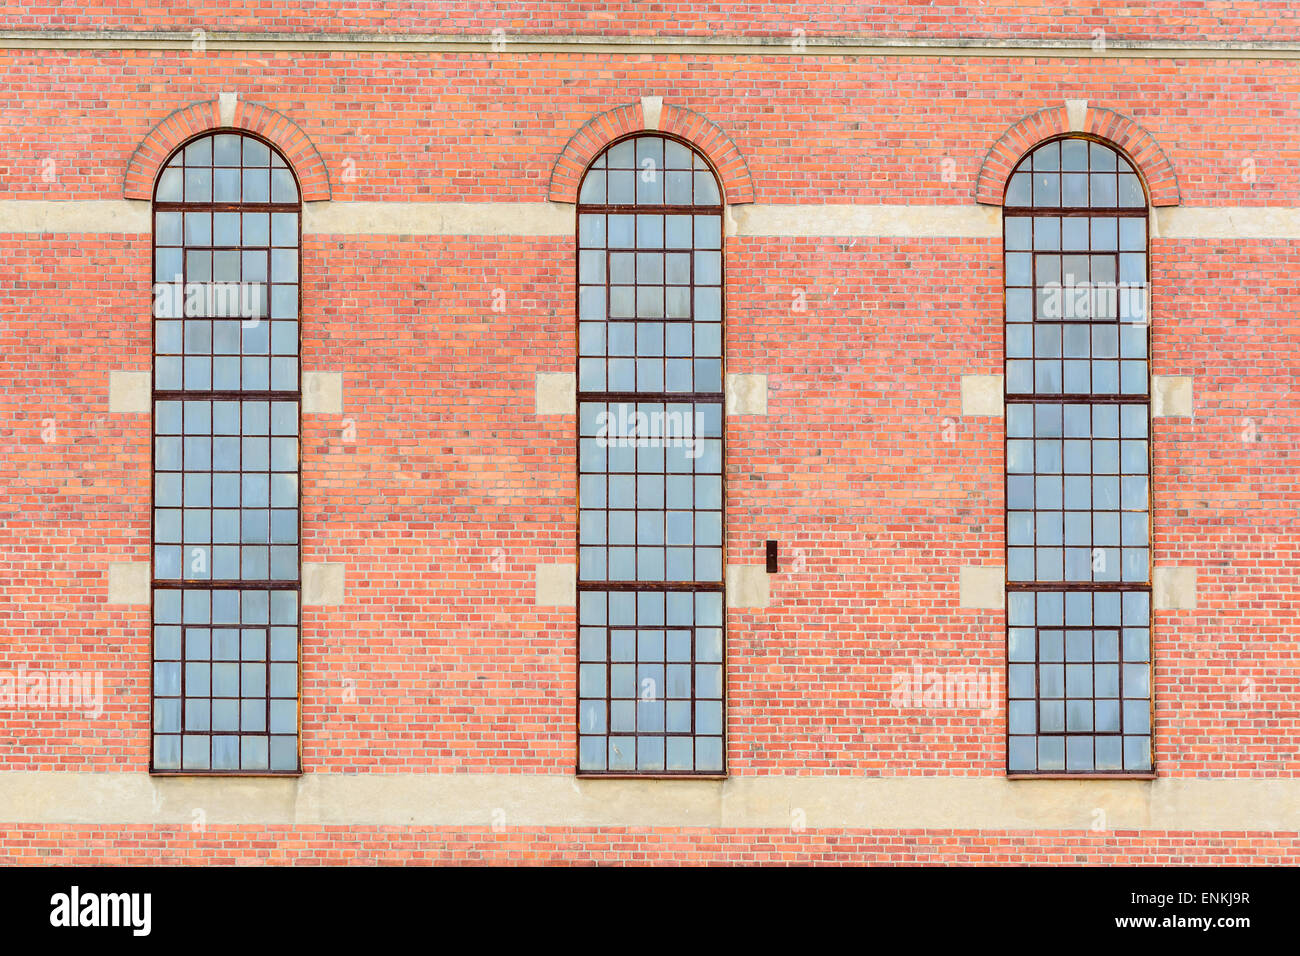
x,y
506,44
954,222
793,220
109,216
438,218
1240,222
555,800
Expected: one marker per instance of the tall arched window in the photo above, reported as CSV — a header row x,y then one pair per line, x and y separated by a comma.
x,y
650,540
1078,531
226,397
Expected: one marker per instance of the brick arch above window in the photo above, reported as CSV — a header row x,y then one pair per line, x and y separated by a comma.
x,y
145,164
1115,128
705,136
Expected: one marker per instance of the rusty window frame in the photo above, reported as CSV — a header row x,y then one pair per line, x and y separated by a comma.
x,y
671,589
244,586
1017,590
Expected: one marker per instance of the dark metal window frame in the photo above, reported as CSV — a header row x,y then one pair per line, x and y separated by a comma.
x,y
1080,398
635,397
182,395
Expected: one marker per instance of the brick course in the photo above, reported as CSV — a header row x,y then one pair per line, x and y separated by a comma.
x,y
440,489
479,128
643,846
1252,21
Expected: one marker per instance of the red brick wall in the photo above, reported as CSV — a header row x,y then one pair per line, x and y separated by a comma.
x,y
75,307
453,489
1225,673
644,846
1182,20
851,471
449,495
476,128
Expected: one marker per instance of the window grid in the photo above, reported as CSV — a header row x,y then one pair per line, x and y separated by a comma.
x,y
631,641
651,520
226,484
225,461
1078,495
1096,349
1078,463
1078,680
226,678
644,540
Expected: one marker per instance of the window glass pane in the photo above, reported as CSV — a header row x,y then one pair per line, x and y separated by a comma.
x,y
1077,487
650,462
226,471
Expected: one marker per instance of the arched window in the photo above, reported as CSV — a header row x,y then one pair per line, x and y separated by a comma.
x,y
1078,531
226,397
650,540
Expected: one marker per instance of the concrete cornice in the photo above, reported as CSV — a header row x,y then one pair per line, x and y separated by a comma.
x,y
507,44
758,220
1241,804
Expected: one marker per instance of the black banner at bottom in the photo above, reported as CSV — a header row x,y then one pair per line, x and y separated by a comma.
x,y
336,905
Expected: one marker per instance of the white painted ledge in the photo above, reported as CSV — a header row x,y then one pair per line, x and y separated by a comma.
x,y
107,216
592,43
1237,804
1228,222
545,218
970,221
438,219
